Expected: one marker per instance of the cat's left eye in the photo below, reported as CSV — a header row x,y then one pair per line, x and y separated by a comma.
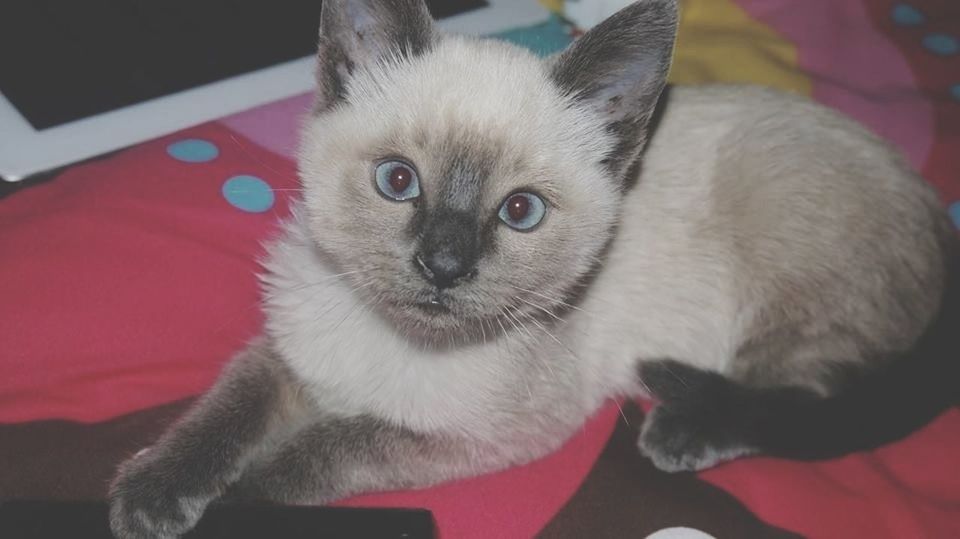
x,y
522,211
397,180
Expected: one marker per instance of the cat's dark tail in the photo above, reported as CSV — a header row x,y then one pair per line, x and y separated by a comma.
x,y
873,409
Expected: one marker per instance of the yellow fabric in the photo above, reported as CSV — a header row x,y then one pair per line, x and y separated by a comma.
x,y
720,42
553,5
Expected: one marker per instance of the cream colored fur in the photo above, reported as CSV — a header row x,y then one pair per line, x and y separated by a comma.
x,y
744,193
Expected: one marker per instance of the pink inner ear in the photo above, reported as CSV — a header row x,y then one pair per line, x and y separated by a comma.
x,y
359,17
619,66
622,97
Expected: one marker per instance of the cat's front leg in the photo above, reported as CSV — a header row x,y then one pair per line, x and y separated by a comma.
x,y
163,490
337,457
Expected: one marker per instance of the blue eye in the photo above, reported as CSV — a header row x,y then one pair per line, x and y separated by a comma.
x,y
522,211
397,180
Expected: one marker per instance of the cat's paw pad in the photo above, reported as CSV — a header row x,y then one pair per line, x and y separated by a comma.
x,y
674,442
148,501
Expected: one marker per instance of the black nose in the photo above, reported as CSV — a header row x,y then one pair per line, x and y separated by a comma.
x,y
449,248
443,268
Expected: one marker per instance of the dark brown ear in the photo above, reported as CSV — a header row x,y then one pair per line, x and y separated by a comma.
x,y
619,69
357,33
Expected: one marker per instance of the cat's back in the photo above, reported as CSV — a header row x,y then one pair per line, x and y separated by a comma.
x,y
808,199
777,174
750,201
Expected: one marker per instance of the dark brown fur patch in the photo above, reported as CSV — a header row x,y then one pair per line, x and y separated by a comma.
x,y
355,33
619,68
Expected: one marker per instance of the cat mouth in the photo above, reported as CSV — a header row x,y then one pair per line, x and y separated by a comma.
x,y
435,305
428,309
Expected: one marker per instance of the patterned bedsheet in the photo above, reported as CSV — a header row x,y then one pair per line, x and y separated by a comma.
x,y
128,281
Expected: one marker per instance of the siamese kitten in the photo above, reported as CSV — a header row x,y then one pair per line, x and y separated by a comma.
x,y
488,248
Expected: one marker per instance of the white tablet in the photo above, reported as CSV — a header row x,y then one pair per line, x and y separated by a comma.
x,y
26,150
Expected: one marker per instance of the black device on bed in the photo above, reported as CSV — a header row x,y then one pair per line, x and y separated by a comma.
x,y
88,520
63,60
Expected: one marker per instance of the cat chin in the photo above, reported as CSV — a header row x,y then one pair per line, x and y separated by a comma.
x,y
424,316
438,326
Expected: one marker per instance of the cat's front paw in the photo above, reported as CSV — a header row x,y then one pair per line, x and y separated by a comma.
x,y
151,499
676,442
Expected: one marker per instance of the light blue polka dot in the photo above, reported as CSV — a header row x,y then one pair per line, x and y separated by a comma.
x,y
248,193
193,150
907,15
942,44
955,213
955,91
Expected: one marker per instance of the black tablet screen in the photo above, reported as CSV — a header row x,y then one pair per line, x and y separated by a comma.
x,y
63,60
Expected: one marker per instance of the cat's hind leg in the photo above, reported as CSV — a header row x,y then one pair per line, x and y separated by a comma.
x,y
821,410
703,418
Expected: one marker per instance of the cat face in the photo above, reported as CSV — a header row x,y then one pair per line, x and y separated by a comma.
x,y
462,185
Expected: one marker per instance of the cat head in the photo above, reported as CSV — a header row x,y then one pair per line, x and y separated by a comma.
x,y
466,183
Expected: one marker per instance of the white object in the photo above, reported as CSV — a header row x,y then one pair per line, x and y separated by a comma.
x,y
679,533
25,151
588,13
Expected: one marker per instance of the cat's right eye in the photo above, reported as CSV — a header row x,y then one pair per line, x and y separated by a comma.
x,y
522,211
397,181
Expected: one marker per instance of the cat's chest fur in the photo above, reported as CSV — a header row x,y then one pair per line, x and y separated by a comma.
x,y
353,362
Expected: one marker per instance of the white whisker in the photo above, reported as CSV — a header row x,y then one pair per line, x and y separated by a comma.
x,y
538,307
551,299
623,415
